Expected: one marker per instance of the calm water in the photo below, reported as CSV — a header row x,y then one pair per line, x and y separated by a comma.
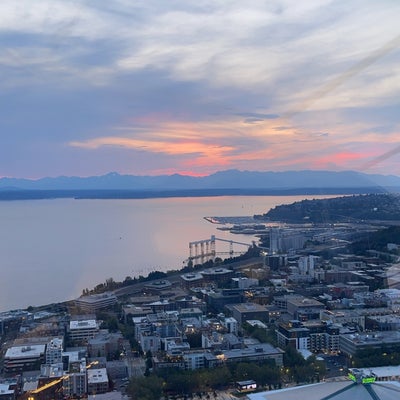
x,y
52,249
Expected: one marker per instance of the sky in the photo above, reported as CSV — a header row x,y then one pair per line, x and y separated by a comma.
x,y
158,87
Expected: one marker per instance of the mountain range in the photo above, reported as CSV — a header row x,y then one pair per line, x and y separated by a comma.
x,y
229,179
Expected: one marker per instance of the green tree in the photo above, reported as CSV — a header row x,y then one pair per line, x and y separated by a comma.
x,y
146,388
292,357
219,377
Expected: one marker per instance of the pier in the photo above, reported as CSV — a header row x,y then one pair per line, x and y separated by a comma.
x,y
201,251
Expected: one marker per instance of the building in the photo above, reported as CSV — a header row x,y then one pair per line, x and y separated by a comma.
x,y
230,324
97,381
12,320
149,342
353,317
24,358
257,352
194,360
244,311
382,323
7,391
276,261
218,300
212,340
218,276
244,282
347,290
387,341
82,331
388,373
191,280
75,382
314,336
246,386
54,351
105,344
293,334
194,312
117,369
95,302
296,304
132,311
283,240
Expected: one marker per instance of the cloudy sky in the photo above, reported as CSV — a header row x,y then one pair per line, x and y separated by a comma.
x,y
180,86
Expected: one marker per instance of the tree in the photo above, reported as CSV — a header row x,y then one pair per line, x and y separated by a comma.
x,y
220,377
110,323
146,388
292,357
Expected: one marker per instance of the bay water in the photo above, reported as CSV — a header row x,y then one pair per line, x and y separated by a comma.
x,y
50,250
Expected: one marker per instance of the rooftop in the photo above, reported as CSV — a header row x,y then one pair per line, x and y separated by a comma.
x,y
261,348
95,298
381,372
374,337
340,390
249,307
25,351
191,277
5,389
86,324
97,375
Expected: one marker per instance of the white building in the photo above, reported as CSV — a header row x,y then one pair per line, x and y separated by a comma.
x,y
83,330
97,380
149,342
230,324
244,282
54,351
194,360
22,358
95,302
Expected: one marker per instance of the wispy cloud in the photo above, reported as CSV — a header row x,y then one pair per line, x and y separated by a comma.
x,y
253,85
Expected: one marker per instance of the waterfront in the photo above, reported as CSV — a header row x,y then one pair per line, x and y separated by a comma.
x,y
52,249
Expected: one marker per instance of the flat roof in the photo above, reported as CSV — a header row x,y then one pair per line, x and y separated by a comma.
x,y
97,375
249,307
381,372
385,318
256,322
33,351
5,389
191,277
304,302
190,310
161,284
216,271
258,349
94,298
72,355
85,324
373,337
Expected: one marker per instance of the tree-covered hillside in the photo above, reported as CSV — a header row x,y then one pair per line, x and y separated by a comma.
x,y
385,207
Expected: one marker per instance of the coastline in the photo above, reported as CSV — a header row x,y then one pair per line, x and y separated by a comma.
x,y
113,194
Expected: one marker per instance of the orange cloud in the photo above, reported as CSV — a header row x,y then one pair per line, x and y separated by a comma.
x,y
167,147
206,146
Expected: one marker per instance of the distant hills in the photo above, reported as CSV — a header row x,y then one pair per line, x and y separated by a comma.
x,y
230,182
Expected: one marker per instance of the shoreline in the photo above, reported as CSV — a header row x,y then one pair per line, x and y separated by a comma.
x,y
115,194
